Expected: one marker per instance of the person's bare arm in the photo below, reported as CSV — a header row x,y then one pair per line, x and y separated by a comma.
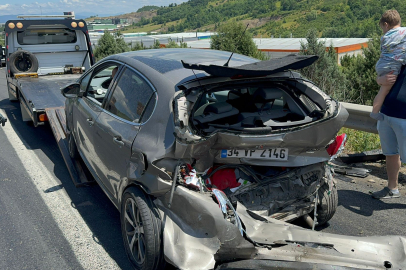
x,y
388,79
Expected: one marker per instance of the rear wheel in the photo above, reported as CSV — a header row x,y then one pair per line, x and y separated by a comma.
x,y
327,205
141,230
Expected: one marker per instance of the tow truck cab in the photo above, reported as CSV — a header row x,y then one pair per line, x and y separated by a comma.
x,y
42,55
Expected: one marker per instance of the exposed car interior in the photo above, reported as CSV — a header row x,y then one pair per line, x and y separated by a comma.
x,y
268,106
100,83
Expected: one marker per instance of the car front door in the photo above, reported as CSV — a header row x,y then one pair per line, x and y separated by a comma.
x,y
94,87
129,105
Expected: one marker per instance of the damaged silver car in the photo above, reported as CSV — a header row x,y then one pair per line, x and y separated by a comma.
x,y
209,157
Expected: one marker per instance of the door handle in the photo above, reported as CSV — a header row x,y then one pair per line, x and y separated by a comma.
x,y
117,140
90,121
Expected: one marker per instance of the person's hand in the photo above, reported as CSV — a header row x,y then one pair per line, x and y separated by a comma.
x,y
388,79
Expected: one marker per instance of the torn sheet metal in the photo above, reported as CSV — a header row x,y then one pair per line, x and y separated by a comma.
x,y
196,234
291,243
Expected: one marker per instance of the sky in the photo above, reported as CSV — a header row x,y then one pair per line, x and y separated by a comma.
x,y
56,7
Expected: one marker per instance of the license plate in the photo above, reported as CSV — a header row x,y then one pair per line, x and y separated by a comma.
x,y
272,154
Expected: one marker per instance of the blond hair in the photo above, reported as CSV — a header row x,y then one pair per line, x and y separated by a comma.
x,y
391,17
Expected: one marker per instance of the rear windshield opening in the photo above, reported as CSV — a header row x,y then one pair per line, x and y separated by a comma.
x,y
46,36
267,107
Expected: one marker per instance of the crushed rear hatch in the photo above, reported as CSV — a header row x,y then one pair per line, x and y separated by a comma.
x,y
262,68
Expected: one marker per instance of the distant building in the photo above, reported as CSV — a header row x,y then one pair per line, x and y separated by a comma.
x,y
119,21
102,27
103,21
279,47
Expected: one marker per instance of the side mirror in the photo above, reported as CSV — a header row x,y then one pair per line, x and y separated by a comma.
x,y
71,91
1,51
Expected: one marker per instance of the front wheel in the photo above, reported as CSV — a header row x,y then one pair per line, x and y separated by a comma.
x,y
141,230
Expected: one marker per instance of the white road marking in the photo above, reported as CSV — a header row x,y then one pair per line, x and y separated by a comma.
x,y
88,252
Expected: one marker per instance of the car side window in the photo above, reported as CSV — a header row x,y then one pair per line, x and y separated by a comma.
x,y
100,82
84,83
132,98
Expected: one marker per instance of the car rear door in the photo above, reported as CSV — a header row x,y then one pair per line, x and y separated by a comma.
x,y
131,100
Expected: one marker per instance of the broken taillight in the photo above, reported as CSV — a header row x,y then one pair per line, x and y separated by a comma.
x,y
337,146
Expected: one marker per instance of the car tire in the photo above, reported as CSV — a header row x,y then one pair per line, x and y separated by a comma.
x,y
73,149
138,214
23,61
327,204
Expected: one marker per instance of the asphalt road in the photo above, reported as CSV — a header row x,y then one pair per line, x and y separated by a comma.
x,y
47,223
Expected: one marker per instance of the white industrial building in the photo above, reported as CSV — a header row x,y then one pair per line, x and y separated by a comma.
x,y
279,47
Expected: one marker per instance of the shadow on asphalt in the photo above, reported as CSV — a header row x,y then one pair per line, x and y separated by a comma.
x,y
380,172
363,204
96,209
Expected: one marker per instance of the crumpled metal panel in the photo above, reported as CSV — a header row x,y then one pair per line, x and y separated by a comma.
x,y
282,191
306,145
196,235
298,244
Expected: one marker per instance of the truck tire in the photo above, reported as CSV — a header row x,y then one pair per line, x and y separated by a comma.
x,y
23,61
327,204
141,229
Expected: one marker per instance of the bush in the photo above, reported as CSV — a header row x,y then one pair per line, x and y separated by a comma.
x,y
325,72
360,141
361,74
232,37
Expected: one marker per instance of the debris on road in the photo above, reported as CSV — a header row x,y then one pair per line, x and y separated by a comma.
x,y
373,155
342,168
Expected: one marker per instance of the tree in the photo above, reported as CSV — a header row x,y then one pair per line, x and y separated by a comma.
x,y
232,37
108,45
361,74
156,45
138,46
174,44
325,72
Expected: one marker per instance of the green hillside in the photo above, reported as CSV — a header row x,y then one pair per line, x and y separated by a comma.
x,y
332,18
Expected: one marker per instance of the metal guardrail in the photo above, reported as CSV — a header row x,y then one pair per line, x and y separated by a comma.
x,y
359,117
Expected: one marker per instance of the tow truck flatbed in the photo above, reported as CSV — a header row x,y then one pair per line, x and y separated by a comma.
x,y
77,170
41,93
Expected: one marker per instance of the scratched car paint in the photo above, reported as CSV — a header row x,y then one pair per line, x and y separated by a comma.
x,y
154,128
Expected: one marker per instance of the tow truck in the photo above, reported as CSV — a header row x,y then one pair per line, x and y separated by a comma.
x,y
44,53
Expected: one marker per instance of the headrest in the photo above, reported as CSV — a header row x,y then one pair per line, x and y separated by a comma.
x,y
268,93
218,107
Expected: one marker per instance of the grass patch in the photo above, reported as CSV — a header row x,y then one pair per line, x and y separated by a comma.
x,y
360,141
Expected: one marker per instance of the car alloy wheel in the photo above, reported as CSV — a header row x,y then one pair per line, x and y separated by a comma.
x,y
141,228
135,231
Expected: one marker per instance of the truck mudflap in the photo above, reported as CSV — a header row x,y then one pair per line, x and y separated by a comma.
x,y
57,121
